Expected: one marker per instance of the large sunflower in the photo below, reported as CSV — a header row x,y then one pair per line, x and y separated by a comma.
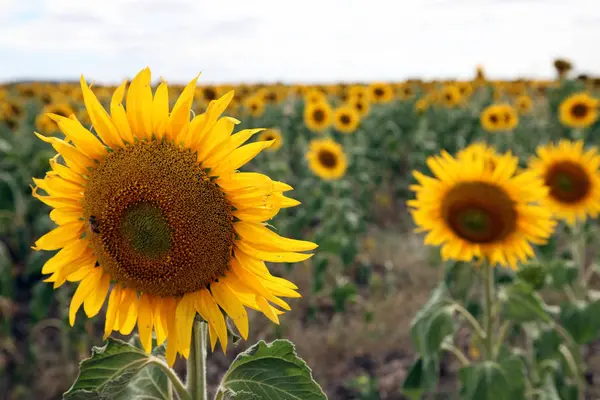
x,y
573,178
346,119
579,110
326,159
318,116
477,212
153,211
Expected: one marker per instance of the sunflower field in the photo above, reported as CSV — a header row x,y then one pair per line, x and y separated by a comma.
x,y
432,240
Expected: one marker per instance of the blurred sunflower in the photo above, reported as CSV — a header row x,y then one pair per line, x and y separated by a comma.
x,y
473,212
209,93
405,91
421,105
326,159
465,89
45,124
360,104
165,242
380,92
255,106
524,104
499,118
477,151
450,95
579,110
358,91
511,118
317,116
314,96
573,178
346,119
273,135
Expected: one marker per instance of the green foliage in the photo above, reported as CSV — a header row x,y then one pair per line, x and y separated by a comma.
x,y
485,381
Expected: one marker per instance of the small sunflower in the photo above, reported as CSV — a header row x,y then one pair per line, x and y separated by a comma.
x,y
346,119
450,95
326,159
314,96
524,104
405,91
573,178
153,214
317,116
579,110
465,89
273,135
360,104
473,212
45,124
421,105
499,118
380,92
255,106
358,91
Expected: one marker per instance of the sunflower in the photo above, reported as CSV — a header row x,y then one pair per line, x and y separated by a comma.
x,y
524,104
346,119
358,91
450,95
405,91
465,89
273,135
317,116
421,105
579,110
360,104
45,124
573,178
326,159
153,211
480,151
511,118
499,117
255,106
380,92
474,212
314,96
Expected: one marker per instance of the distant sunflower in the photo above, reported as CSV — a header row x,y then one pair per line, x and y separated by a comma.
x,y
360,104
405,91
346,119
511,118
317,116
473,212
358,91
255,106
273,135
326,159
465,89
45,124
380,92
524,104
450,96
314,96
154,211
573,177
579,110
499,118
421,105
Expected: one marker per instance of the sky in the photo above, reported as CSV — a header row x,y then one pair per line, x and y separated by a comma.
x,y
295,41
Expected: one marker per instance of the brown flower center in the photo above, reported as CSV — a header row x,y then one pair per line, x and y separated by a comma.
x,y
580,110
568,182
156,221
479,212
345,119
327,159
319,115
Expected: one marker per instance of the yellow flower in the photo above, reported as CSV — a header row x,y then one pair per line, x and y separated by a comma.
x,y
450,96
153,214
255,106
360,92
346,119
380,92
45,124
579,110
573,178
314,96
317,116
465,89
499,117
524,104
474,212
405,91
421,105
275,136
326,159
360,104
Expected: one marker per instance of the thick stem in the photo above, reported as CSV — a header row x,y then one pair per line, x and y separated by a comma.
x,y
488,293
196,363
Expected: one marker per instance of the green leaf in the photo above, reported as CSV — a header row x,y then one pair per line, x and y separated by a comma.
x,y
548,391
110,371
422,377
229,394
515,369
581,320
426,342
521,304
562,273
150,383
272,371
484,381
534,274
439,326
546,345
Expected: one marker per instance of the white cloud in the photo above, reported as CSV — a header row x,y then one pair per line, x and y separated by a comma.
x,y
312,40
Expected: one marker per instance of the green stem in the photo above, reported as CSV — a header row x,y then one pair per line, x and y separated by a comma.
x,y
469,317
488,292
454,350
196,363
578,250
504,329
179,387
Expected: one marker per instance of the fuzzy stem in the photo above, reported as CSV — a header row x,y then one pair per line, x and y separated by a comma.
x,y
196,363
488,292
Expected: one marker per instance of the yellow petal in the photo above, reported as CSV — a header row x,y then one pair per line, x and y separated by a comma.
x,y
102,122
93,303
160,110
85,140
213,112
128,310
179,119
215,317
160,322
111,310
259,234
232,306
267,309
228,146
169,307
85,288
66,172
139,105
62,216
74,158
219,134
185,315
144,322
239,157
70,252
119,115
252,251
60,237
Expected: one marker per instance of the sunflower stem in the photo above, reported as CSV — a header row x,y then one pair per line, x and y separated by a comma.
x,y
578,251
196,363
488,293
179,387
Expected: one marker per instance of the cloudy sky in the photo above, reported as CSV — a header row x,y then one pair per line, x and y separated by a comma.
x,y
308,40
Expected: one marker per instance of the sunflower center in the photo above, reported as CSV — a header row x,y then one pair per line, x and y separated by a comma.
x,y
157,222
209,94
319,115
327,159
479,212
494,119
345,119
579,110
378,92
568,182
